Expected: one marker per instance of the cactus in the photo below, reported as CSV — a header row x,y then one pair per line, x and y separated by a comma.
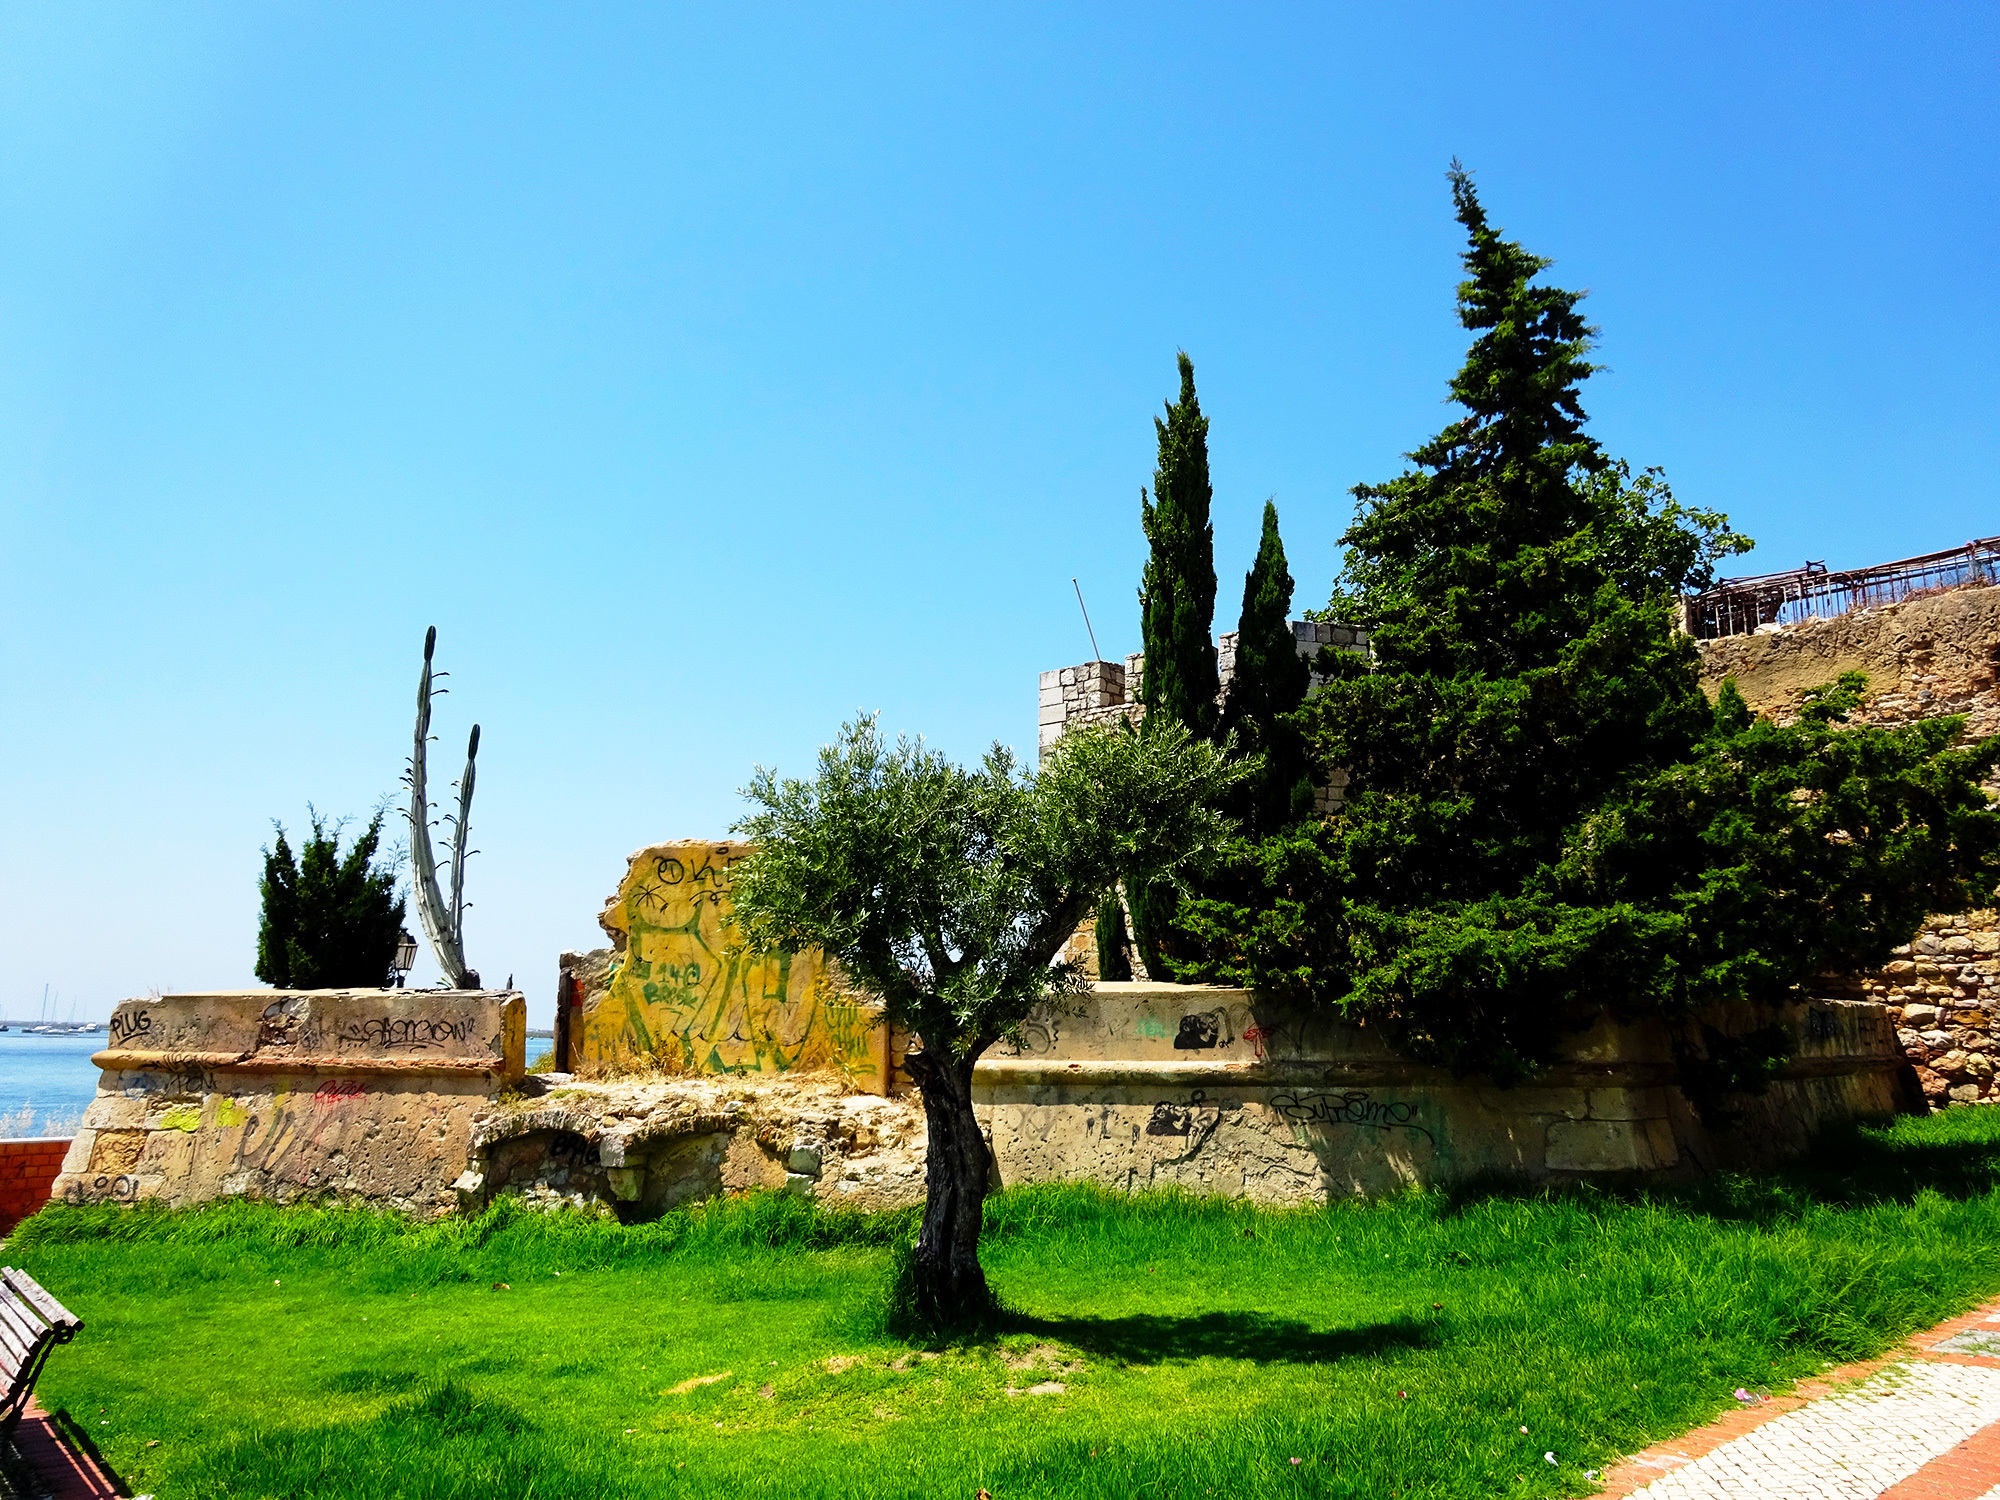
x,y
443,925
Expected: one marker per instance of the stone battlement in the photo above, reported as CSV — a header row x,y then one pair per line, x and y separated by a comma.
x,y
1098,692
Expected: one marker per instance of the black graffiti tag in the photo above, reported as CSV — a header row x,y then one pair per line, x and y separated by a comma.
x,y
1352,1108
1199,1031
405,1031
127,1024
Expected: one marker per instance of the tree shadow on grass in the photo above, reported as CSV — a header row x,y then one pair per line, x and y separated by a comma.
x,y
1849,1165
1256,1338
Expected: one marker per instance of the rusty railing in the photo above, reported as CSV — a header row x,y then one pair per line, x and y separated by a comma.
x,y
1737,606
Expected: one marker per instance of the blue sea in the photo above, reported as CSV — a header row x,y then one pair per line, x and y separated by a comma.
x,y
46,1081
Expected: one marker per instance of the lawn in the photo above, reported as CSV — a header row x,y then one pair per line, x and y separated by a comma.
x,y
1433,1345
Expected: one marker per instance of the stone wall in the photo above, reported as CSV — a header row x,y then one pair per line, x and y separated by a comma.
x,y
357,1095
28,1170
1216,1091
1097,692
676,994
1944,991
1925,656
637,1147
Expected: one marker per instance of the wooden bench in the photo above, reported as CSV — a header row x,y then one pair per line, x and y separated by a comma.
x,y
31,1323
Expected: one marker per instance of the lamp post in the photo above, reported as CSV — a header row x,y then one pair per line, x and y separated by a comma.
x,y
405,959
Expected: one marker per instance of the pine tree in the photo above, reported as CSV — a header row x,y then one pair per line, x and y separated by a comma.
x,y
1269,684
330,921
1177,598
1545,818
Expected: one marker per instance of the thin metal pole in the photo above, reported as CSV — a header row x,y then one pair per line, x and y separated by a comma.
x,y
1095,654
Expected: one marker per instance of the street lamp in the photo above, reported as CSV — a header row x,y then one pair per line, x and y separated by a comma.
x,y
405,959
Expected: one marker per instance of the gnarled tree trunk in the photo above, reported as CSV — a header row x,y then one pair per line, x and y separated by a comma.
x,y
949,1288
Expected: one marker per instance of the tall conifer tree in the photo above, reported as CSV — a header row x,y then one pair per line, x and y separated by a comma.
x,y
1177,598
1269,683
1545,818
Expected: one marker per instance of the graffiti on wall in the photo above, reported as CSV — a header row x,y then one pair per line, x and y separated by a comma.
x,y
1353,1107
684,997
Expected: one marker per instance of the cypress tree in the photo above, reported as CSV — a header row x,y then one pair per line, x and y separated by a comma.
x,y
330,921
1269,684
1177,598
1113,960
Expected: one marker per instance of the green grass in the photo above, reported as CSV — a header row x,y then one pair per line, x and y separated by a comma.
x,y
1394,1349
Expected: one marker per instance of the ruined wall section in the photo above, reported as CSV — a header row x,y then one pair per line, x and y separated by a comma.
x,y
676,993
356,1095
1926,656
1219,1091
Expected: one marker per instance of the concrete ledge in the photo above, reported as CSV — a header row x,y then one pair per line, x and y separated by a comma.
x,y
131,1061
360,1095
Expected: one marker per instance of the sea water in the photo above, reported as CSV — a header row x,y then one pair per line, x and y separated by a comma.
x,y
46,1082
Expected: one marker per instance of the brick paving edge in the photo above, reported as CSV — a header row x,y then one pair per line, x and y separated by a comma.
x,y
1662,1458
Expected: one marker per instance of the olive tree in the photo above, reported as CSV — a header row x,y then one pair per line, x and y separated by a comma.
x,y
948,892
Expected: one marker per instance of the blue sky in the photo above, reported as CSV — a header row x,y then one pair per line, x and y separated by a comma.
x,y
704,375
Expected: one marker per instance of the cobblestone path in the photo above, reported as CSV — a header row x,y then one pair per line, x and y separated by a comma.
x,y
1921,1425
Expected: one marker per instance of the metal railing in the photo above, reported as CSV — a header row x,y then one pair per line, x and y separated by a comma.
x,y
1737,606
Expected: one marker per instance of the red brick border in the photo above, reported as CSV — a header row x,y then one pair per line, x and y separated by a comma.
x,y
1965,1473
28,1171
68,1474
1662,1458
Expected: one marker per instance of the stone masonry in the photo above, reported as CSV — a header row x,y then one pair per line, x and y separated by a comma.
x,y
1103,692
1924,656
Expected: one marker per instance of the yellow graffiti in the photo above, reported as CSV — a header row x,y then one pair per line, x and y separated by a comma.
x,y
228,1112
182,1117
681,1000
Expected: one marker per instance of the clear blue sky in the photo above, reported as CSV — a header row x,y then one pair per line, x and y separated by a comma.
x,y
706,374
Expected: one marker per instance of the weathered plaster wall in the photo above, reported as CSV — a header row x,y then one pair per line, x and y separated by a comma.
x,y
367,1095
1927,656
676,995
1214,1091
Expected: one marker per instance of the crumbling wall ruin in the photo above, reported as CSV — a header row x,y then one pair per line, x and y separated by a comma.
x,y
676,993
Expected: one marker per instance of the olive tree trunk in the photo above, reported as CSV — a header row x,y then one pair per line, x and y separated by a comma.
x,y
948,1287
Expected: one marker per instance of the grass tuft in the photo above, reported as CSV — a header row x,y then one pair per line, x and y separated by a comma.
x,y
1160,1344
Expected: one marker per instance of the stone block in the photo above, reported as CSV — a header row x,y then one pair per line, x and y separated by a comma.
x,y
1624,1104
115,1112
1660,1142
1595,1146
1919,1016
77,1158
626,1182
117,1151
799,1185
804,1159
